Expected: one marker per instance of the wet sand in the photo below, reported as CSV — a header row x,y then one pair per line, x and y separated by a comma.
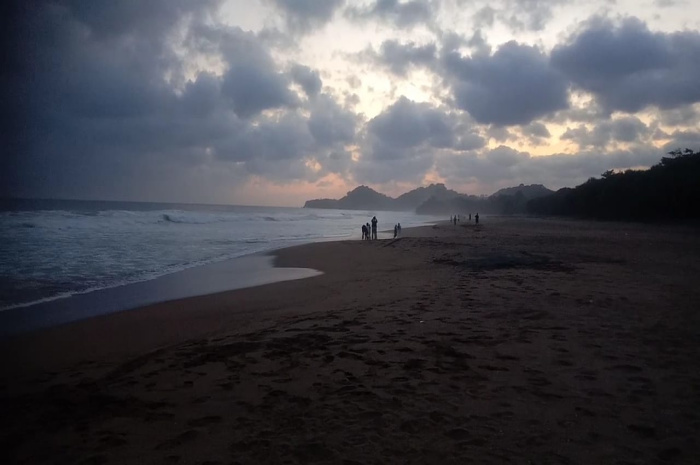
x,y
237,273
517,341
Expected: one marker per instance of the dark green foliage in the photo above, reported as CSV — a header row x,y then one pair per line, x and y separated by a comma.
x,y
509,201
668,190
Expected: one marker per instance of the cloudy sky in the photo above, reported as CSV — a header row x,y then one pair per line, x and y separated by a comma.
x,y
272,102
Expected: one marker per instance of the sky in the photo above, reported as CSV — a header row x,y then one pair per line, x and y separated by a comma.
x,y
274,102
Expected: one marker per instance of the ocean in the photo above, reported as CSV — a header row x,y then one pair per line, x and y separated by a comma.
x,y
55,249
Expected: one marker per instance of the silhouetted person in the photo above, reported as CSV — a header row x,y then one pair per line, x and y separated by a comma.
x,y
369,229
477,218
374,227
365,233
396,231
399,226
470,217
454,220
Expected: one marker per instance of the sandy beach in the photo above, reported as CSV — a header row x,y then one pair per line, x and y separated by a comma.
x,y
518,341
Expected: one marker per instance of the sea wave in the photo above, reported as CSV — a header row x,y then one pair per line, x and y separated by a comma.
x,y
114,283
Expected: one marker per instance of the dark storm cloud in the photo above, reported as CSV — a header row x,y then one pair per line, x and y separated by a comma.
x,y
500,134
84,76
201,96
408,124
624,129
252,82
304,15
279,148
504,166
403,14
106,110
591,112
683,140
110,19
519,15
484,17
530,15
536,129
682,116
513,86
402,141
252,90
287,138
308,79
399,57
628,68
330,124
535,132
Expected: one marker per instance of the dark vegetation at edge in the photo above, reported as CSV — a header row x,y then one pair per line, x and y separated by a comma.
x,y
667,190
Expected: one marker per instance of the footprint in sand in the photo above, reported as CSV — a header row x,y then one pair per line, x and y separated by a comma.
x,y
204,421
179,440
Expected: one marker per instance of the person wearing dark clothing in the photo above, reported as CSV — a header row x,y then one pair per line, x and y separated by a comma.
x,y
399,226
470,217
374,227
454,220
396,231
364,232
477,218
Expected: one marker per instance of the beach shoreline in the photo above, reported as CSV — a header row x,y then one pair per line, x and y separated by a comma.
x,y
520,339
250,269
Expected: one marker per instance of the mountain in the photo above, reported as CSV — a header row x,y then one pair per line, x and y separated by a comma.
x,y
529,192
508,201
360,198
435,199
412,199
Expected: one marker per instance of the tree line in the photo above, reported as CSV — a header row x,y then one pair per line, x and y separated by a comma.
x,y
668,190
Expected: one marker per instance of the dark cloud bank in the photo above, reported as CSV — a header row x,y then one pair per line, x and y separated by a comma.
x,y
100,101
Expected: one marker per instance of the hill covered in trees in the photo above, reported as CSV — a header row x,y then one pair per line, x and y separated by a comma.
x,y
667,190
365,198
436,199
508,201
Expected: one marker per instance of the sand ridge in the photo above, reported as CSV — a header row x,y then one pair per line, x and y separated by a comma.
x,y
516,341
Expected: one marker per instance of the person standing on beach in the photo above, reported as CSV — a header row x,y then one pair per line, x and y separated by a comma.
x,y
477,218
470,217
396,230
369,229
399,226
374,227
364,232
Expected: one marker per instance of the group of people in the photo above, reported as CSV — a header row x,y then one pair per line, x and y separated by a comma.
x,y
455,219
370,232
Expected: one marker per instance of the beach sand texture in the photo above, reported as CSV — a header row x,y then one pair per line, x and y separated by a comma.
x,y
515,341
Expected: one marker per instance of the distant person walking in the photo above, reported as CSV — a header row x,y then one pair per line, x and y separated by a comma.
x,y
396,231
477,218
374,227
